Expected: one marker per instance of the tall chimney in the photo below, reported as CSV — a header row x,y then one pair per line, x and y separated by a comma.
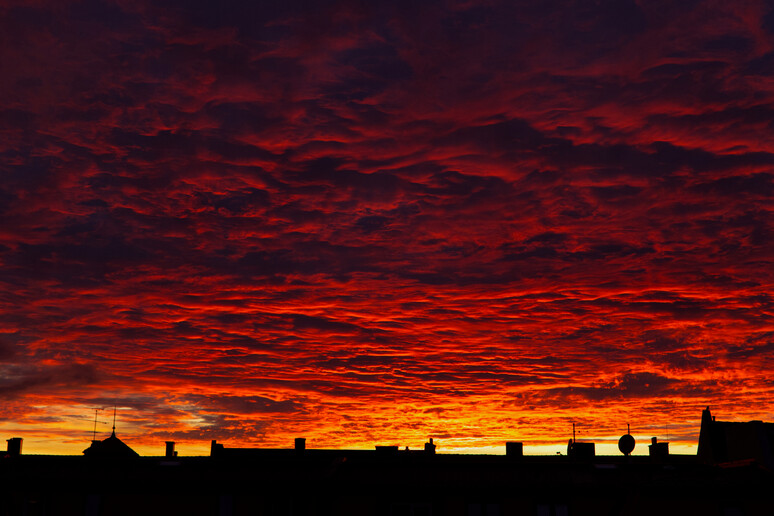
x,y
14,446
216,449
514,449
170,453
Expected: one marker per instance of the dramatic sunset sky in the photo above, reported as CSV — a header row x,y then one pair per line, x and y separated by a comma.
x,y
374,222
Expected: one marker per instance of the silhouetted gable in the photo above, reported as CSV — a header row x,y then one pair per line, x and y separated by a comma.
x,y
112,448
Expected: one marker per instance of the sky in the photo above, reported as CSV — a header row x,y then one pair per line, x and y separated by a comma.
x,y
372,222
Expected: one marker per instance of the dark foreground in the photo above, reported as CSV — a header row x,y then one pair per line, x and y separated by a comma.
x,y
405,483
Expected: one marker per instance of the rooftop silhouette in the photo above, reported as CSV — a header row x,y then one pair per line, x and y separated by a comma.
x,y
731,472
110,448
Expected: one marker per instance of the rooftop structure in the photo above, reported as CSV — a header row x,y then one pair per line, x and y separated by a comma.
x,y
110,448
730,441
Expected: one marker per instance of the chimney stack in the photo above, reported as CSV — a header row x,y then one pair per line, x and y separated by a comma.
x,y
300,445
658,450
14,446
216,449
170,452
430,447
514,449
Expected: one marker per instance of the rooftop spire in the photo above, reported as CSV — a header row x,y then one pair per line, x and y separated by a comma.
x,y
114,420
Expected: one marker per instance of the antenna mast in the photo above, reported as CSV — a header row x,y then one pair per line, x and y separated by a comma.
x,y
94,434
114,420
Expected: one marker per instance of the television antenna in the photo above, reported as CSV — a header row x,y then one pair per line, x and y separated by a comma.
x,y
94,433
573,431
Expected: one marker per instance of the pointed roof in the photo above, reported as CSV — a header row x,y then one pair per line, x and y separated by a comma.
x,y
110,448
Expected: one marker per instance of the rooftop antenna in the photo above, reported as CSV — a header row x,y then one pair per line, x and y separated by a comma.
x,y
114,420
94,434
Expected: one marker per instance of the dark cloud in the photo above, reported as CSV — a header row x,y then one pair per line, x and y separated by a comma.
x,y
248,405
18,380
629,385
7,347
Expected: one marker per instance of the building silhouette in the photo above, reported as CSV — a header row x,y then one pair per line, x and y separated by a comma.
x,y
729,442
726,477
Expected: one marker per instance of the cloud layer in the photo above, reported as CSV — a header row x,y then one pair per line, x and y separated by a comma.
x,y
374,222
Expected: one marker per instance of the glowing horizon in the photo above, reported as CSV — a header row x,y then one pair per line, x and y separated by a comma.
x,y
39,444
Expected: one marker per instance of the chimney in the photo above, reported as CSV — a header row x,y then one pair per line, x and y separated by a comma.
x,y
658,450
14,446
514,449
430,447
300,445
170,452
216,448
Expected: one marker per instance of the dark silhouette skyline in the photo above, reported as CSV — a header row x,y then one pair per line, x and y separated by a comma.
x,y
731,475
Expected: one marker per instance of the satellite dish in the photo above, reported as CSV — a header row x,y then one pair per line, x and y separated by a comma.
x,y
626,442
